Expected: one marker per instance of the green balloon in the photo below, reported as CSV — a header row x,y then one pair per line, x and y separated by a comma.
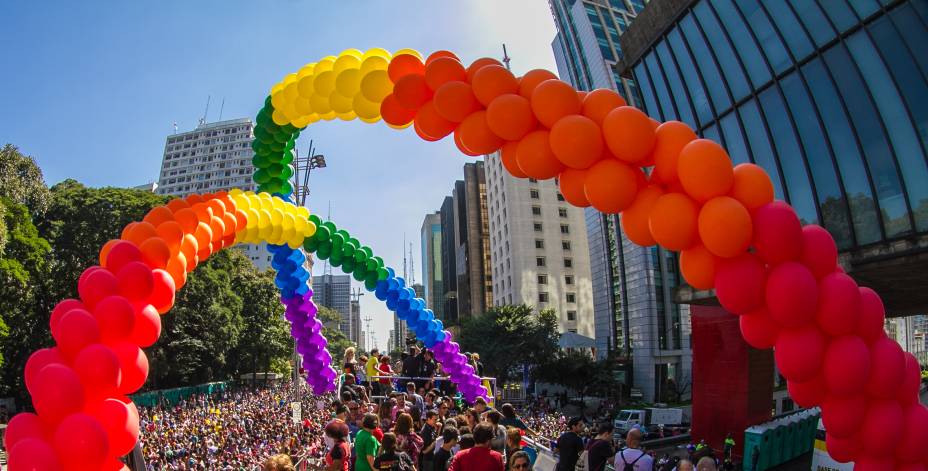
x,y
371,276
285,187
348,265
354,242
276,146
359,274
315,219
261,176
322,233
290,144
287,171
324,250
371,265
379,261
348,252
311,244
288,128
267,104
367,251
257,146
335,260
382,274
345,235
370,285
360,257
331,226
337,242
260,161
274,170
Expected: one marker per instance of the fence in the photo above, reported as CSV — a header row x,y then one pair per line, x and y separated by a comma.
x,y
171,397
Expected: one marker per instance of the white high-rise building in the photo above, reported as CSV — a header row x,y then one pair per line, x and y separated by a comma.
x,y
212,157
538,248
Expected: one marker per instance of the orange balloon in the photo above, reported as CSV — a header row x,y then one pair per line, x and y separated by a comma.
x,y
189,247
635,218
218,227
610,186
674,221
454,101
141,232
508,156
177,268
229,203
194,199
176,204
443,70
155,252
440,54
577,141
751,186
159,214
510,117
554,99
204,237
698,267
394,113
725,227
172,234
203,212
464,150
228,232
125,230
598,103
581,95
431,124
477,136
412,91
187,219
479,64
629,134
241,220
535,157
532,79
672,136
105,251
403,65
492,81
705,170
570,183
218,207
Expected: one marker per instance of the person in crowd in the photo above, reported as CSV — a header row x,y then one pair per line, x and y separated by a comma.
x,y
365,445
371,369
510,419
472,417
427,369
520,461
570,445
706,463
279,462
415,398
386,413
466,441
350,365
600,450
513,442
349,385
407,438
475,362
429,434
632,456
391,459
412,363
499,440
729,446
384,369
480,405
442,456
684,465
341,412
480,457
336,441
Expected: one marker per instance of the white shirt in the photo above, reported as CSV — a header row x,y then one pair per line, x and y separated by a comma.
x,y
646,463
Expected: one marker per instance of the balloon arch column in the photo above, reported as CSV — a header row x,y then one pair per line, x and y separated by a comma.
x,y
672,189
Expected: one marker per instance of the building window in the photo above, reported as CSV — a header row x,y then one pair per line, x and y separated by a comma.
x,y
533,180
539,261
536,210
542,297
565,229
562,212
537,226
568,279
573,331
539,243
568,263
542,279
571,315
560,197
571,297
533,193
565,244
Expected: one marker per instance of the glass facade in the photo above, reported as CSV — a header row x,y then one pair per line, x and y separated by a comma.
x,y
829,96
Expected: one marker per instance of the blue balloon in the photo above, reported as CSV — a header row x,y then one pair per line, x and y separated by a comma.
x,y
302,289
391,303
392,284
401,281
394,295
403,304
382,284
381,294
429,340
391,272
401,313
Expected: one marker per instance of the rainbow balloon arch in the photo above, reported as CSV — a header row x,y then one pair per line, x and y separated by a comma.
x,y
672,189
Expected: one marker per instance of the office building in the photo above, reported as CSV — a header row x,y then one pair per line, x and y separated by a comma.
x,y
635,320
538,248
354,308
334,292
432,283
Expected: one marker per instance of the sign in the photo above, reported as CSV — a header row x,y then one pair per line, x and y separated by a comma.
x,y
297,410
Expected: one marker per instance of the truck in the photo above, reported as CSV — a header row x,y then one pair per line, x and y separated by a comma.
x,y
648,417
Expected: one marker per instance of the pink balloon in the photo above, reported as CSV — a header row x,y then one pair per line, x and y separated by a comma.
x,y
777,233
22,426
57,393
888,362
80,442
847,365
134,366
121,425
886,418
842,450
33,454
759,329
135,281
910,467
808,393
147,326
76,330
911,381
98,368
799,353
872,315
843,415
819,253
121,254
38,360
911,446
116,317
740,283
792,294
61,309
838,304
96,286
874,464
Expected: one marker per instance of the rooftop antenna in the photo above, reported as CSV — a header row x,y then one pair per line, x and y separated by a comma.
x,y
175,127
203,119
405,273
505,57
222,107
412,267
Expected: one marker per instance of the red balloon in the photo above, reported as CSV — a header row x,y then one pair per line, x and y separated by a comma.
x,y
147,326
842,450
61,309
570,184
98,368
535,158
910,467
134,366
403,65
440,54
115,317
492,81
162,295
33,454
394,113
76,329
431,124
808,393
759,330
477,136
911,381
867,463
412,91
847,365
134,280
886,417
443,70
838,304
800,352
22,426
38,360
886,376
577,141
120,254
57,393
510,117
911,446
872,315
454,101
777,233
792,294
508,155
844,415
819,253
96,286
81,442
120,424
740,283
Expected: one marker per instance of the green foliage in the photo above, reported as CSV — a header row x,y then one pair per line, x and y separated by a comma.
x,y
577,370
338,342
21,180
508,337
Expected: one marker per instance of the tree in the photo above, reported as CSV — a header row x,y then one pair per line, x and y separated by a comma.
x,y
21,180
577,370
265,342
338,343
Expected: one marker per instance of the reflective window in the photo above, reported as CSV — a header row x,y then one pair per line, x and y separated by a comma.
x,y
766,36
703,56
643,81
847,155
908,148
791,30
680,95
864,8
726,57
819,160
814,21
691,78
712,132
734,141
913,32
840,14
741,37
663,95
875,146
761,150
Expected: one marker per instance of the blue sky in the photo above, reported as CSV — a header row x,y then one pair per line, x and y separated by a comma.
x,y
91,90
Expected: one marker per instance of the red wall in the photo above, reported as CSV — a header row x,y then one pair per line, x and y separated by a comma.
x,y
732,381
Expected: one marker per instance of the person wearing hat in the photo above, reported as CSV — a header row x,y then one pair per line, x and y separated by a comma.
x,y
570,445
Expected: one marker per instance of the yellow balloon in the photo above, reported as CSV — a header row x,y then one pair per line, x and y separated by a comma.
x,y
254,216
279,118
278,101
364,108
324,83
288,222
340,103
277,216
277,88
412,52
299,224
295,243
302,212
374,63
346,62
349,116
328,116
324,64
376,85
306,70
369,120
302,106
402,126
348,82
305,86
351,52
310,229
241,201
290,78
320,104
301,122
376,52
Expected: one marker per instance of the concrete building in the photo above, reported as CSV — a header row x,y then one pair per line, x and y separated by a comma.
x,y
354,308
634,316
212,157
432,282
149,187
538,248
334,292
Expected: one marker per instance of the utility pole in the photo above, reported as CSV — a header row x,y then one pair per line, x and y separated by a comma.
x,y
506,57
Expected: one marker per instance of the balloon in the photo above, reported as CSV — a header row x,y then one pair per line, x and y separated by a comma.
x,y
412,91
508,156
440,54
635,218
156,253
394,113
61,309
914,434
190,248
37,360
911,381
461,147
888,370
162,296
147,326
843,415
629,134
510,116
777,233
443,70
479,64
885,416
872,315
792,294
670,139
492,81
610,186
535,157
598,103
33,454
115,318
674,221
477,136
177,268
134,280
530,81
139,232
126,252
842,450
98,284
134,366
819,253
120,424
705,170
697,265
404,64
847,365
838,304
570,184
76,329
430,124
799,353
98,368
725,227
751,186
808,393
740,283
576,141
552,100
375,86
454,101
81,442
56,393
22,426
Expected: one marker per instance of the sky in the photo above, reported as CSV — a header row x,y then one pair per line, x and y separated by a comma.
x,y
92,89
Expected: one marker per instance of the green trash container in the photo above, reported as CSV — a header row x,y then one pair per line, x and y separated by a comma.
x,y
761,438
